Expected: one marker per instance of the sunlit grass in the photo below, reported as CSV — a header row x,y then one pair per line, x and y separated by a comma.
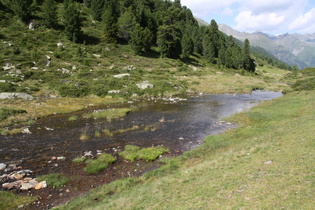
x,y
8,200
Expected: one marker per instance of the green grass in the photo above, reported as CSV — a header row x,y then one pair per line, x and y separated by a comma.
x,y
97,165
54,180
11,201
108,114
7,112
133,153
265,163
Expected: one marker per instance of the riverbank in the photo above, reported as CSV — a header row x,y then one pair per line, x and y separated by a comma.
x,y
22,113
267,162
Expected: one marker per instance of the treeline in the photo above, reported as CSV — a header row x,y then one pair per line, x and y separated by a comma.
x,y
164,25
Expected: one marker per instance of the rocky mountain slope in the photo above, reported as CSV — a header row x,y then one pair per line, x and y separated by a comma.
x,y
294,49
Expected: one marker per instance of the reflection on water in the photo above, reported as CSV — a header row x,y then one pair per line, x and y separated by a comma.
x,y
179,126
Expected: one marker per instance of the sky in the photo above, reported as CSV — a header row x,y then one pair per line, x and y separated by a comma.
x,y
269,16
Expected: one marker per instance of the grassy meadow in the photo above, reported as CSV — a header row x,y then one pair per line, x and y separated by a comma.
x,y
265,163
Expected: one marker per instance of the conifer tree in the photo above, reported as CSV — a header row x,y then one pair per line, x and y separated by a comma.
x,y
248,62
50,13
72,20
187,46
126,23
141,39
169,34
97,8
109,22
87,3
22,8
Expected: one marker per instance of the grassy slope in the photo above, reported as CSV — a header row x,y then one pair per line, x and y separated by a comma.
x,y
266,163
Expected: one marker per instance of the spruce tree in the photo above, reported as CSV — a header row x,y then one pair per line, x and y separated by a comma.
x,y
72,20
187,47
22,8
97,8
141,39
169,34
248,62
109,23
126,23
50,13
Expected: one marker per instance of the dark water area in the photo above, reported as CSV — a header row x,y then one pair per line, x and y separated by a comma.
x,y
178,124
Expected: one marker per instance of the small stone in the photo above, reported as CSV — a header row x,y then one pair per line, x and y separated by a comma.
x,y
61,158
41,185
2,166
27,186
26,131
268,162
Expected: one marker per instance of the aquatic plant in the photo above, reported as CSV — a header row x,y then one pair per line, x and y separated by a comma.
x,y
79,160
97,165
73,118
133,153
108,114
56,180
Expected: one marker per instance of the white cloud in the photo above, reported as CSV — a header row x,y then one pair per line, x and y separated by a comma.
x,y
248,21
271,16
304,23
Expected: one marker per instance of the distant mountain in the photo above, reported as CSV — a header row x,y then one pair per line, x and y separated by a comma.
x,y
293,49
201,22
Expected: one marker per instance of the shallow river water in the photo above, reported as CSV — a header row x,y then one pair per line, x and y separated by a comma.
x,y
179,124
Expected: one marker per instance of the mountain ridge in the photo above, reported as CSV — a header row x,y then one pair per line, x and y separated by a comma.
x,y
294,49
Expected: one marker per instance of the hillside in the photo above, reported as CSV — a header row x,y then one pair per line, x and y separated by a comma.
x,y
293,49
40,59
